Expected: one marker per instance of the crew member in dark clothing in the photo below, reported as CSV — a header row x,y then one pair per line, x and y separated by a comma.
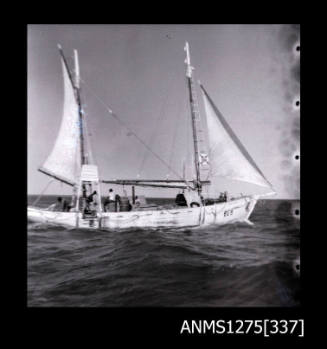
x,y
222,197
84,191
180,200
90,197
90,203
65,206
117,203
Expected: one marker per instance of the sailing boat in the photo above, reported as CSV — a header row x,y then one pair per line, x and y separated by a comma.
x,y
69,163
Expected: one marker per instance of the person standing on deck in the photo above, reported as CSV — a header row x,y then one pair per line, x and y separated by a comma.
x,y
84,191
109,199
90,198
111,195
65,206
117,203
91,202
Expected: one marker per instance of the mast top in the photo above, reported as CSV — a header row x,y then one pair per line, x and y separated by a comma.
x,y
189,68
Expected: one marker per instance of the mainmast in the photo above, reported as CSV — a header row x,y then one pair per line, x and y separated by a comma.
x,y
194,115
76,87
84,159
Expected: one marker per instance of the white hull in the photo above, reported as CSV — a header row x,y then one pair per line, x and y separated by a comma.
x,y
237,210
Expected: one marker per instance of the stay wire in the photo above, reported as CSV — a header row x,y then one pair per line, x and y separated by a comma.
x,y
39,197
160,116
132,132
178,119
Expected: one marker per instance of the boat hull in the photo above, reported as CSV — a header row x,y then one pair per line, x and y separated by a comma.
x,y
238,210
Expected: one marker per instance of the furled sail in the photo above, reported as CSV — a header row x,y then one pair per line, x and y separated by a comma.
x,y
64,162
227,156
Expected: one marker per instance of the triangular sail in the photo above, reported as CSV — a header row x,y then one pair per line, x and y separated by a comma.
x,y
64,162
228,157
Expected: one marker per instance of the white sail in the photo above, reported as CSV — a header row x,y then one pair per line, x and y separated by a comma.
x,y
64,162
227,156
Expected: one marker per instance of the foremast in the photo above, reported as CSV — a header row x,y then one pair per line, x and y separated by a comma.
x,y
89,173
194,116
76,86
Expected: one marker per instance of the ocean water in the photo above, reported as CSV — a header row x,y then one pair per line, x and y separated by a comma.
x,y
224,266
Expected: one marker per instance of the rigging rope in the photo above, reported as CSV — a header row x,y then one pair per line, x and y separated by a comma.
x,y
175,136
160,116
133,133
39,197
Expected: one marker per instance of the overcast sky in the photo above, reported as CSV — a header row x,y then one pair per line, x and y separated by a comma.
x,y
138,70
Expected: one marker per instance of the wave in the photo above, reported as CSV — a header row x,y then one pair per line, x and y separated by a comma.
x,y
232,265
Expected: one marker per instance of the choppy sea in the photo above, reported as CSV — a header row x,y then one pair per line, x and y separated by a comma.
x,y
224,266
